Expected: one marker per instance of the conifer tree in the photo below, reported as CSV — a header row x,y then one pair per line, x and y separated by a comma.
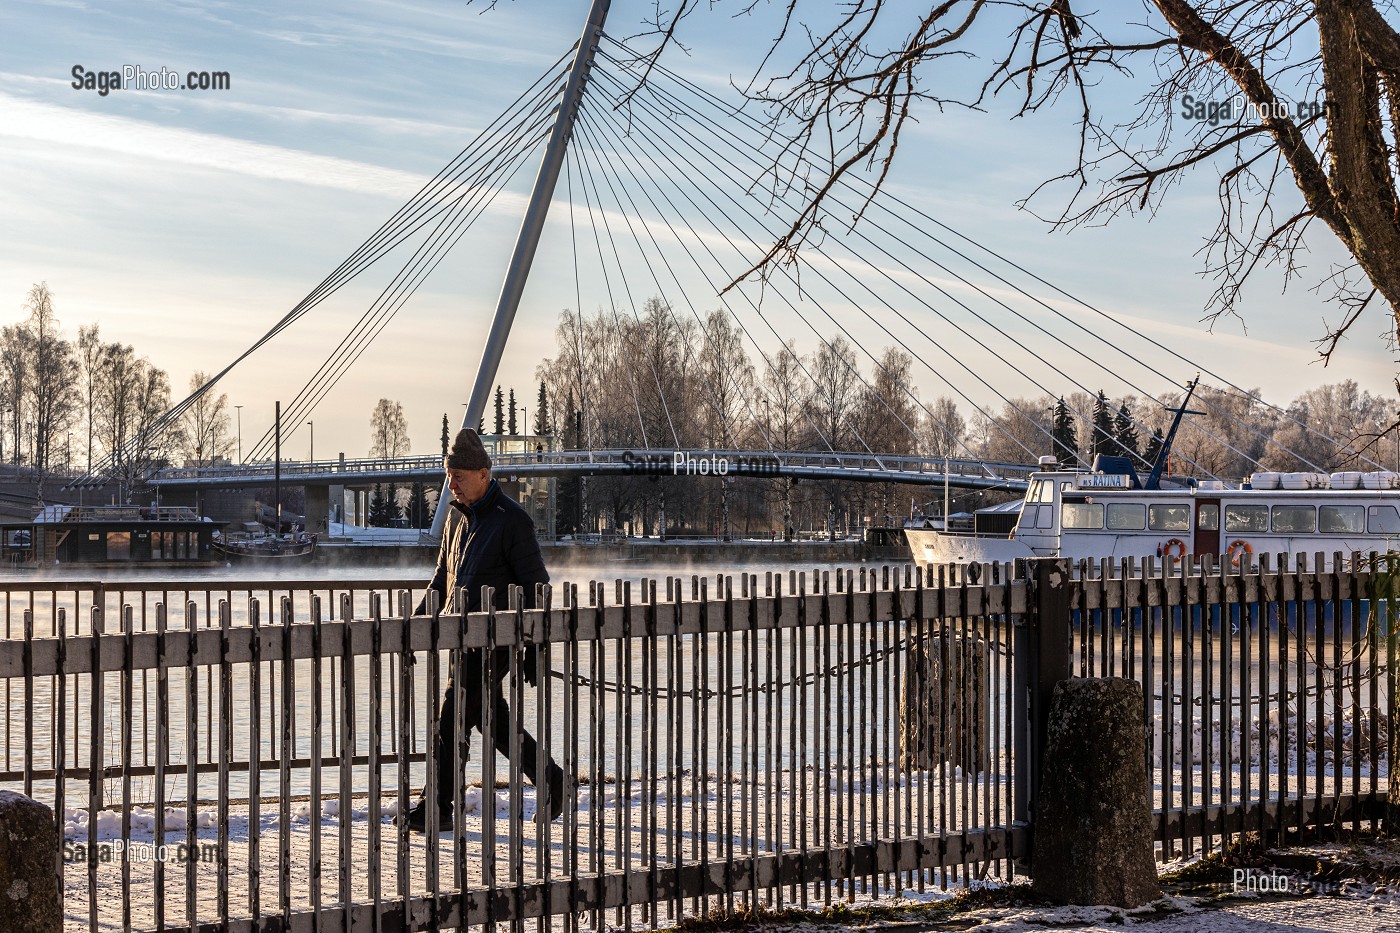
x,y
1062,437
378,508
392,511
446,434
500,411
542,411
1125,432
1102,440
1154,450
419,516
510,424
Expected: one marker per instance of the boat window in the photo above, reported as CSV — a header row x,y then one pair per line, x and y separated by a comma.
x,y
1028,514
119,545
1341,519
1041,491
1383,520
1046,519
1083,515
1208,517
1295,519
1126,516
1169,517
1246,518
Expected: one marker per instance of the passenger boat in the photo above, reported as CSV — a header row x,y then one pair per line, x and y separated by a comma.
x,y
1110,511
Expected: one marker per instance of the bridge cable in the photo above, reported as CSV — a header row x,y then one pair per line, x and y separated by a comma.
x,y
730,111
820,433
462,213
638,177
716,401
363,256
688,175
905,346
607,281
885,274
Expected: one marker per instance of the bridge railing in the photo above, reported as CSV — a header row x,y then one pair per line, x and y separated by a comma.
x,y
631,460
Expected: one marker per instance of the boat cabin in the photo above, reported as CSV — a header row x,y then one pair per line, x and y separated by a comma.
x,y
1078,514
121,535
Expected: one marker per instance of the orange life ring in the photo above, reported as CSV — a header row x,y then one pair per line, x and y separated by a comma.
x,y
1238,549
1175,548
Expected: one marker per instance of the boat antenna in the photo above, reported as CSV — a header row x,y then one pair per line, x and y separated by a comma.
x,y
1154,479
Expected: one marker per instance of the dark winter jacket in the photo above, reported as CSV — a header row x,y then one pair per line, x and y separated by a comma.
x,y
488,543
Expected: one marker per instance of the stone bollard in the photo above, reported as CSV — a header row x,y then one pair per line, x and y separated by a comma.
x,y
945,704
30,900
1093,818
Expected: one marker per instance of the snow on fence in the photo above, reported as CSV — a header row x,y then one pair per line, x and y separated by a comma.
x,y
245,754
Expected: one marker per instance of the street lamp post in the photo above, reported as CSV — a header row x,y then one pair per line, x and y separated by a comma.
x,y
312,426
239,410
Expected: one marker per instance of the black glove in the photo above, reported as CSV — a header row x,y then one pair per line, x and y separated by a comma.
x,y
530,665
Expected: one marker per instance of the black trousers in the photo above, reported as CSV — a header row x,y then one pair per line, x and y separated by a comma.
x,y
445,740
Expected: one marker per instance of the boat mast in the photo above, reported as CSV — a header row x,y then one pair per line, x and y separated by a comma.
x,y
277,467
530,228
1154,479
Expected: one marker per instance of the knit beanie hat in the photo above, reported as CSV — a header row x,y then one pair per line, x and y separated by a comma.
x,y
467,453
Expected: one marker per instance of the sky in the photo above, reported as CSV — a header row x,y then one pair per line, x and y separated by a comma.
x,y
186,223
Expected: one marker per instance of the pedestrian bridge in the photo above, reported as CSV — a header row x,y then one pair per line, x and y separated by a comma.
x,y
857,467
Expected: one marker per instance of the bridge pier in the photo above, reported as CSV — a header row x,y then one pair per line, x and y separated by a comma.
x,y
318,510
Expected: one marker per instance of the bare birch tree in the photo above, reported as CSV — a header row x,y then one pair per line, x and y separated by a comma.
x,y
206,425
388,430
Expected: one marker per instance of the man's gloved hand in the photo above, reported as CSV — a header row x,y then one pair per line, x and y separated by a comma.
x,y
530,665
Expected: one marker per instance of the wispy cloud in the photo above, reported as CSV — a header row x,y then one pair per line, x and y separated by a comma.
x,y
73,128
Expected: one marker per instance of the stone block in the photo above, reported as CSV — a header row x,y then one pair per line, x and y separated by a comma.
x,y
30,898
1092,819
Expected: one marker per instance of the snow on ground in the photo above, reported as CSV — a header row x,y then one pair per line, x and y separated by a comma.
x,y
1258,915
312,839
603,833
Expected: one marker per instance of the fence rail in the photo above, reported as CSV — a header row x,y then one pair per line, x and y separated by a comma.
x,y
785,738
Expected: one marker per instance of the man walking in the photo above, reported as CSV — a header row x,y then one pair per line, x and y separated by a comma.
x,y
488,540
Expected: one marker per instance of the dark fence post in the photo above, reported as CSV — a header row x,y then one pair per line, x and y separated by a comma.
x,y
1041,661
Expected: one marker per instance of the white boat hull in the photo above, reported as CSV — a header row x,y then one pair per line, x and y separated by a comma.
x,y
931,547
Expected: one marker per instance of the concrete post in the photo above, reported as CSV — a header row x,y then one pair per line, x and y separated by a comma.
x,y
30,898
318,509
1093,817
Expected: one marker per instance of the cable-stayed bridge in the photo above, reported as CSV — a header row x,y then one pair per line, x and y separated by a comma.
x,y
664,191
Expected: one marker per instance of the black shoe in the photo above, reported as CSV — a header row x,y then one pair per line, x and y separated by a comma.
x,y
417,820
556,795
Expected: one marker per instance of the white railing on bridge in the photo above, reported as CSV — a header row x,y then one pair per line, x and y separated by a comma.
x,y
619,461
